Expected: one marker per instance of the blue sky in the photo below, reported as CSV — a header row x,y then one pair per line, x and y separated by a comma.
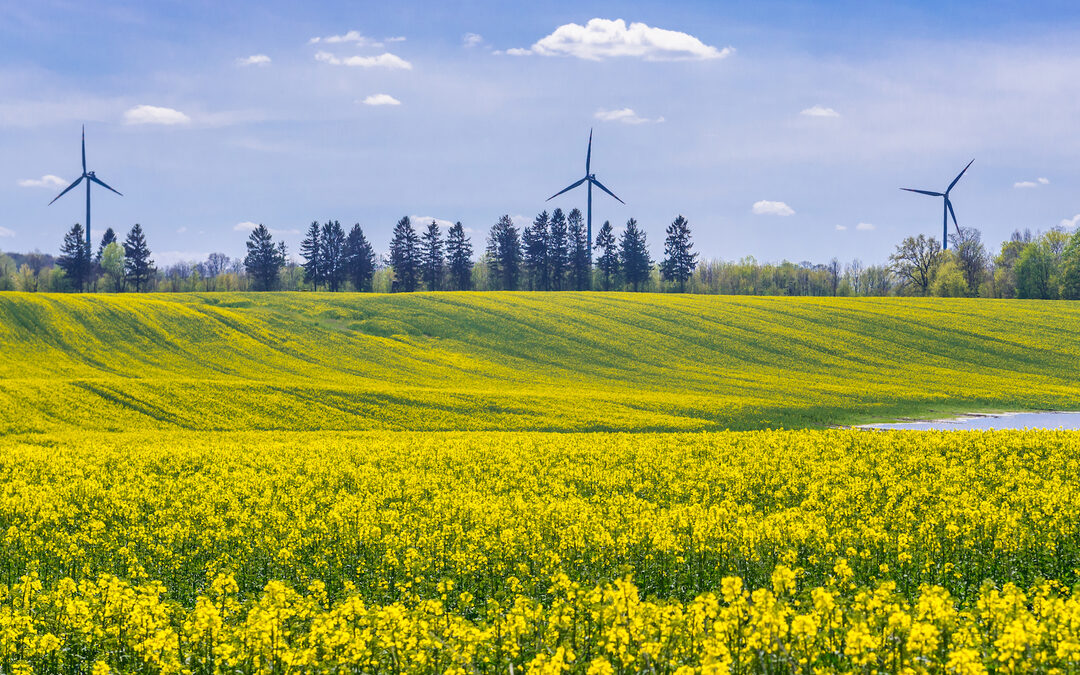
x,y
780,129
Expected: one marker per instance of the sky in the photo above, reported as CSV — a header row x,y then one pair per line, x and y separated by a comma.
x,y
781,130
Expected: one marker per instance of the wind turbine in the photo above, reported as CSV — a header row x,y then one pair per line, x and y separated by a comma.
x,y
591,179
90,178
948,209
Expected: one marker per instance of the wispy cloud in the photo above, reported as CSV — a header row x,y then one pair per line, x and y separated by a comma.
x,y
423,221
767,208
604,38
819,111
1023,184
254,60
396,38
46,181
4,232
472,39
624,115
385,60
152,114
841,228
1070,222
353,36
866,227
248,226
381,99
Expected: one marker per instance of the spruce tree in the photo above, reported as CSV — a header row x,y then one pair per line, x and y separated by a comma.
x,y
558,250
634,255
264,260
106,239
504,253
138,267
679,262
75,257
459,257
608,261
404,257
580,273
332,252
311,250
534,242
359,259
431,256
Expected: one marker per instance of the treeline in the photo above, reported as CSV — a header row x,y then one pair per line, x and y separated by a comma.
x,y
552,253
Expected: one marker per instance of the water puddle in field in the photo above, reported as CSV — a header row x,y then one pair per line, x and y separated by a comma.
x,y
1034,420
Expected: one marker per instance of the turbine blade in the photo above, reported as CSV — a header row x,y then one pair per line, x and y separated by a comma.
x,y
958,177
948,204
102,184
567,189
84,149
925,192
588,155
601,186
69,188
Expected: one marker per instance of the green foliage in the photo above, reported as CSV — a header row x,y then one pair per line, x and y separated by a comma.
x,y
679,260
138,267
950,281
431,256
405,256
264,260
75,257
634,259
112,264
504,255
1070,269
459,258
608,260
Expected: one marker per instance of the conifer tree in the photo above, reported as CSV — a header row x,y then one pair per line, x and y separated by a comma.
x,y
459,257
264,260
504,254
608,261
311,250
404,257
332,252
431,256
679,262
534,242
75,257
634,255
106,239
138,267
558,249
580,272
359,259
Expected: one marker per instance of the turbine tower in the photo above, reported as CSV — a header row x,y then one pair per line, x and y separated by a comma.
x,y
591,179
948,209
90,178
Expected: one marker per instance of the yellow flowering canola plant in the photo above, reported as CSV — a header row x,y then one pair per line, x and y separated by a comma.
x,y
288,484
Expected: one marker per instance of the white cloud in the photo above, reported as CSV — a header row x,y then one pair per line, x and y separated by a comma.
x,y
385,60
46,181
351,36
624,115
1071,222
164,258
516,51
396,38
4,232
1025,184
248,226
472,39
1044,181
841,228
381,99
602,38
152,114
866,227
767,208
819,111
254,60
420,222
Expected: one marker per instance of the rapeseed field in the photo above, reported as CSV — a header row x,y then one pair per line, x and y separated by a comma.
x,y
501,483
